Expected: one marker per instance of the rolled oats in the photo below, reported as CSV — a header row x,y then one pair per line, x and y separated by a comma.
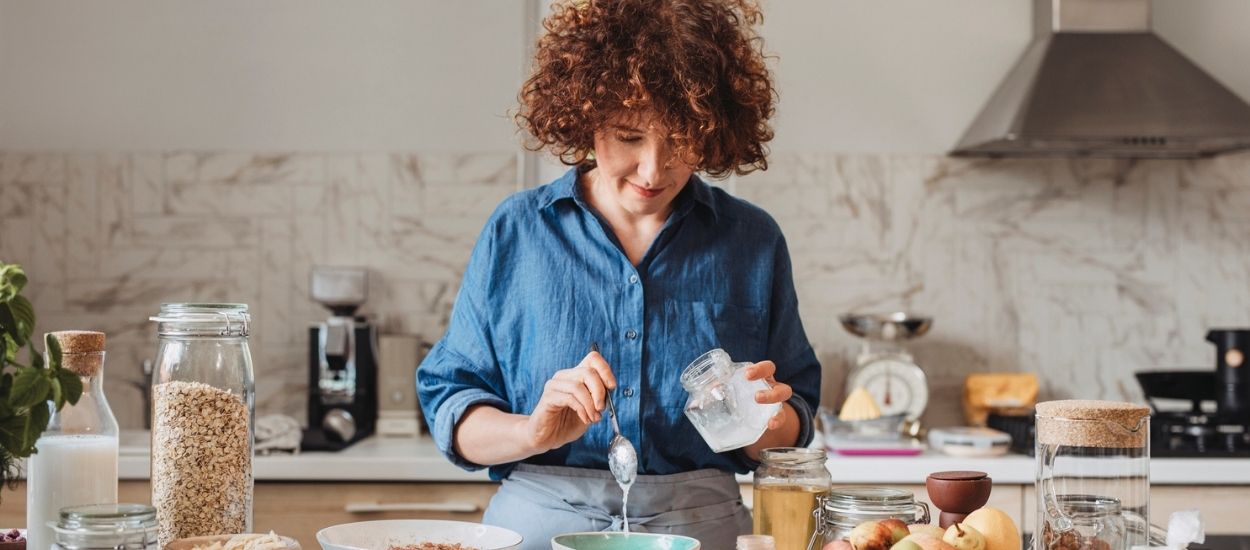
x,y
201,461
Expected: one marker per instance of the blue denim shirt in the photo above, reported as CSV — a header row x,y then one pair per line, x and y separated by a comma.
x,y
547,277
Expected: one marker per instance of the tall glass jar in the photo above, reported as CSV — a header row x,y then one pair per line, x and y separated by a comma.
x,y
787,485
203,399
1093,475
107,527
76,458
844,508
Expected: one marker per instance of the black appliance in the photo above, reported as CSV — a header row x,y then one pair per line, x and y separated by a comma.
x,y
1232,379
342,363
1196,432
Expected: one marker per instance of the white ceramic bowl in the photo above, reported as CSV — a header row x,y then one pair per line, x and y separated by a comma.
x,y
622,541
192,542
382,534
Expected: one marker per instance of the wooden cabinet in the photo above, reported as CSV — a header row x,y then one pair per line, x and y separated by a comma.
x,y
300,509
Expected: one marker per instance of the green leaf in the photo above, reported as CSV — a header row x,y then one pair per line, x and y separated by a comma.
x,y
24,314
36,358
30,388
13,433
54,351
58,399
12,280
71,386
37,423
9,324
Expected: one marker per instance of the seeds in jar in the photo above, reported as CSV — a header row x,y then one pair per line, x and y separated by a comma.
x,y
201,461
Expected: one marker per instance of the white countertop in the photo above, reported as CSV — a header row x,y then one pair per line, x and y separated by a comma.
x,y
417,459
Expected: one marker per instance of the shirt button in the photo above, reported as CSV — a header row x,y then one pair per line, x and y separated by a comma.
x,y
633,279
631,334
629,392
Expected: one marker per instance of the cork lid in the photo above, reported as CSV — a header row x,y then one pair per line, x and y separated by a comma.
x,y
81,351
1090,423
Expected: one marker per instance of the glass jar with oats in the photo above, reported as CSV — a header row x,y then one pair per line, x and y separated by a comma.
x,y
203,398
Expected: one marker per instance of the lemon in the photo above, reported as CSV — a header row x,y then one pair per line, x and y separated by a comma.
x,y
999,529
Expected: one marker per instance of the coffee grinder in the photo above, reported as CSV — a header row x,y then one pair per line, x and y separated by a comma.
x,y
342,373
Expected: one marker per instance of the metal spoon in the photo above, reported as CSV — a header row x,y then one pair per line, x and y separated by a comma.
x,y
622,458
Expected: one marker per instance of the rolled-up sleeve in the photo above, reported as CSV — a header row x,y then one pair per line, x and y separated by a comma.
x,y
790,350
461,370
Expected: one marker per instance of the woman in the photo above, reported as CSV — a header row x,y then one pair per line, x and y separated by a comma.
x,y
632,251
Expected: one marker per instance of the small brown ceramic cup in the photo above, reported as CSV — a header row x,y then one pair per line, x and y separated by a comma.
x,y
957,494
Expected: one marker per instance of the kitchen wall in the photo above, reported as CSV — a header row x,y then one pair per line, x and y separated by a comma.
x,y
155,151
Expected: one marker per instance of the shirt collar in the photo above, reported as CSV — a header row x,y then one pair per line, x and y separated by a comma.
x,y
695,193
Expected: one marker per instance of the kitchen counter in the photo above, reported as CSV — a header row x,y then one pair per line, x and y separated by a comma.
x,y
417,459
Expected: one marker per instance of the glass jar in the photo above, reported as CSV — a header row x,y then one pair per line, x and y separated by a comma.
x,y
107,527
1097,524
76,462
203,397
1093,474
842,509
722,402
787,485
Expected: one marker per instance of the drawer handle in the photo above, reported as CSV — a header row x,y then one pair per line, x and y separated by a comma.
x,y
373,507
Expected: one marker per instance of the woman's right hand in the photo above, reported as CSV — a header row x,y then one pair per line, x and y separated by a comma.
x,y
572,400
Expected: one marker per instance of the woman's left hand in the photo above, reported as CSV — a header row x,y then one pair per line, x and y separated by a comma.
x,y
779,392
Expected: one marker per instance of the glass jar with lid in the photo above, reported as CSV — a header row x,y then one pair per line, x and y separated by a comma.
x,y
787,486
106,527
844,508
722,403
203,399
1093,475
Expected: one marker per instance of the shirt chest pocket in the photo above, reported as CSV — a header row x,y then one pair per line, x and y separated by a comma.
x,y
692,328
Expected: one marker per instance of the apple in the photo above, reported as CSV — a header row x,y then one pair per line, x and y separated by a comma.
x,y
897,528
838,545
964,537
871,535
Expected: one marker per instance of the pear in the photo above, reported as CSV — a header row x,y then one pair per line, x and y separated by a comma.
x,y
927,542
964,537
926,529
838,545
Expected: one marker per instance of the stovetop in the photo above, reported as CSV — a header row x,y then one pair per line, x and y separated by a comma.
x,y
1191,435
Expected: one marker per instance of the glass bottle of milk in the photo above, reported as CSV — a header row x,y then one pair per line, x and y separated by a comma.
x,y
75,462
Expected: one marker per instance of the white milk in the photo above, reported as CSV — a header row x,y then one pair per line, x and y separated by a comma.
x,y
68,470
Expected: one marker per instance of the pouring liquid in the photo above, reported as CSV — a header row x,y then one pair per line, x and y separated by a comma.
x,y
625,505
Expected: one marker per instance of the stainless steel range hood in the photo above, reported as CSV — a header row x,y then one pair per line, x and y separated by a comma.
x,y
1095,81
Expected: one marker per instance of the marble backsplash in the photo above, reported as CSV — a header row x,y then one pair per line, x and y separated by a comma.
x,y
1082,271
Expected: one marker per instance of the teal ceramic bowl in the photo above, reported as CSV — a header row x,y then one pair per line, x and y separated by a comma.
x,y
622,541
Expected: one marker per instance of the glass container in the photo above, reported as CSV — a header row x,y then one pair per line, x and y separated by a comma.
x,y
842,509
76,458
203,397
722,403
1093,475
787,485
107,527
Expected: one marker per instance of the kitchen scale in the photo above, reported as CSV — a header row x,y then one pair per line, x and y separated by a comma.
x,y
884,367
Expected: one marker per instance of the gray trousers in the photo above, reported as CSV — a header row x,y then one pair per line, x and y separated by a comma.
x,y
540,502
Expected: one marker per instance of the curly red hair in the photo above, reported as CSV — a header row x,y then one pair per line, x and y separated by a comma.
x,y
697,65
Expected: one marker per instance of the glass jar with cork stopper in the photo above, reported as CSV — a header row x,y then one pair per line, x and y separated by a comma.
x,y
76,458
1093,475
